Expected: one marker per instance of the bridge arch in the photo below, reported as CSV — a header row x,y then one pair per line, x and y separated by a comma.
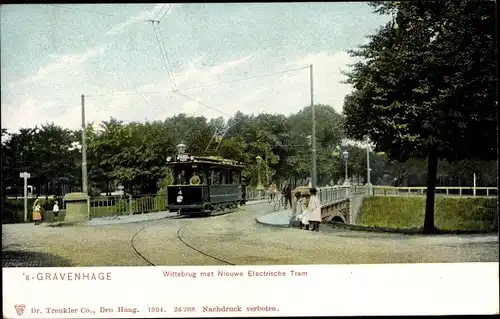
x,y
338,219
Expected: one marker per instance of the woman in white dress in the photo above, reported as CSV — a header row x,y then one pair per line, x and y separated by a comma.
x,y
314,210
300,211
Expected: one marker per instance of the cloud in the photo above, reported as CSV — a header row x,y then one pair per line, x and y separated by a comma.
x,y
27,114
194,74
140,18
286,93
63,64
69,62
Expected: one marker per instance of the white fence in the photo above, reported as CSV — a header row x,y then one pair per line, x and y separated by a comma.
x,y
334,193
326,194
440,191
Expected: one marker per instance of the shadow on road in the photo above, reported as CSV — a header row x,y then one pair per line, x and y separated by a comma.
x,y
19,258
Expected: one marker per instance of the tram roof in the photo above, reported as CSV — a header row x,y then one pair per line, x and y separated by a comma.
x,y
207,160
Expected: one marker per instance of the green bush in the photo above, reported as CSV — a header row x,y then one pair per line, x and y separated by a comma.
x,y
13,209
451,213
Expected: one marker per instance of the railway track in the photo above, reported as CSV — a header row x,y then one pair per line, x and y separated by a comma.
x,y
181,240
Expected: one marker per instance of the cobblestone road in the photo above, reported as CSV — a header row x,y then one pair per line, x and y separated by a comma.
x,y
228,239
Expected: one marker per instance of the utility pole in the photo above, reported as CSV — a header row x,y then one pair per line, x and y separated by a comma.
x,y
474,184
313,137
25,176
267,168
84,150
368,169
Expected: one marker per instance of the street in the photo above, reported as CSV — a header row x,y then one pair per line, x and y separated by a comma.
x,y
231,239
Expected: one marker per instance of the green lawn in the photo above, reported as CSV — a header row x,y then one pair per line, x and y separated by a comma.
x,y
451,213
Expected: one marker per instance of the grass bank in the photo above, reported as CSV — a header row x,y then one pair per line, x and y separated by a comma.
x,y
451,213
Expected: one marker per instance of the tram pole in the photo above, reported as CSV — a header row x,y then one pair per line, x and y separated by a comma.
x,y
84,150
313,135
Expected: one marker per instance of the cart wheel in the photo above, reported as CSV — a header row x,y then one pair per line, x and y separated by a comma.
x,y
277,206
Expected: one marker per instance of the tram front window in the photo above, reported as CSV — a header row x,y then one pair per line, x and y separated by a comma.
x,y
189,176
195,179
180,177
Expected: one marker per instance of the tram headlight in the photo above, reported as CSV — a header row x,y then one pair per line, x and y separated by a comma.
x,y
169,158
179,198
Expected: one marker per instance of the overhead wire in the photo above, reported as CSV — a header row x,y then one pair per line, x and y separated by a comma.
x,y
201,103
166,55
243,79
163,46
202,85
164,13
163,55
168,67
158,13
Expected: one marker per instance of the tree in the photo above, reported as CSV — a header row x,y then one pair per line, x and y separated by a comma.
x,y
426,86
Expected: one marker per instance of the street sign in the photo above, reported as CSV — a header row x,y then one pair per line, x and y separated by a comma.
x,y
24,175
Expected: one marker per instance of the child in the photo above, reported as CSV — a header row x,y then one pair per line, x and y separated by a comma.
x,y
55,210
301,212
314,209
298,209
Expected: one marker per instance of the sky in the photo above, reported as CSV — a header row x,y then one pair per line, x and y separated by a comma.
x,y
52,54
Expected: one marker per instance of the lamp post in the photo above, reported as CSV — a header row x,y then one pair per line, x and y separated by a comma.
x,y
309,142
345,154
181,149
368,169
259,184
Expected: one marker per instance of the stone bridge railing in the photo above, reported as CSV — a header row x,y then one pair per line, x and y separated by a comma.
x,y
340,203
343,203
335,201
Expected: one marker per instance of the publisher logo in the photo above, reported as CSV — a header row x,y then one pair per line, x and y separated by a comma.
x,y
20,309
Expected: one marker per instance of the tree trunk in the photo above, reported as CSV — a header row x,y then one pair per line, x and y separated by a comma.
x,y
431,188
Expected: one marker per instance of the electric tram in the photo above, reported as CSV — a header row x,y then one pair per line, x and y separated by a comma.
x,y
204,185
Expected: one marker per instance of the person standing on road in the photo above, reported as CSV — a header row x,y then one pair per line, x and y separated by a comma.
x,y
300,211
37,212
287,194
272,190
55,210
314,210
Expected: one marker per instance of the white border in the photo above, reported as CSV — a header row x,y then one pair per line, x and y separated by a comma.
x,y
326,290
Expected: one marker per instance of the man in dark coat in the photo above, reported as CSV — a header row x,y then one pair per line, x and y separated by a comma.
x,y
287,194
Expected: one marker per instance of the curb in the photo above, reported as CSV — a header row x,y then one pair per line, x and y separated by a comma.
x,y
408,231
253,202
270,225
125,219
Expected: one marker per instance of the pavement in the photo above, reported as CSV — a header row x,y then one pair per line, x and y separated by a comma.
x,y
276,219
130,218
142,217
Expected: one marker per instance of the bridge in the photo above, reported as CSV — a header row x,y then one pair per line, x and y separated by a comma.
x,y
343,203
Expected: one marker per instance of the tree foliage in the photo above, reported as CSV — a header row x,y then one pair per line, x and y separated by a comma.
x,y
425,84
134,154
